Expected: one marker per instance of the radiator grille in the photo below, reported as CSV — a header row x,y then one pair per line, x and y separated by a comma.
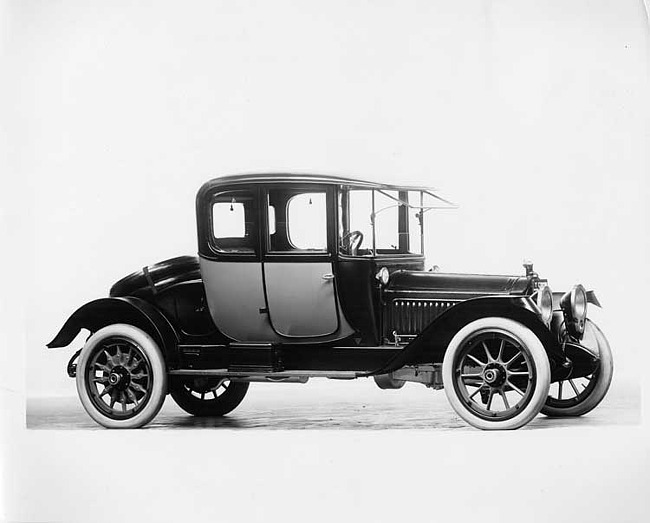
x,y
412,316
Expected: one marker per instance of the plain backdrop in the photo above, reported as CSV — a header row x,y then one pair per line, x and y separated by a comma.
x,y
531,115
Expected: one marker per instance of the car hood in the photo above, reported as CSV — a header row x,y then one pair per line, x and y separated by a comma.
x,y
464,283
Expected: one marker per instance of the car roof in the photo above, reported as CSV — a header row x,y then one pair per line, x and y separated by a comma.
x,y
305,178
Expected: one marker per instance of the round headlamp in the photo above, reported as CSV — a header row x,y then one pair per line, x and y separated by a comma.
x,y
545,303
574,306
383,275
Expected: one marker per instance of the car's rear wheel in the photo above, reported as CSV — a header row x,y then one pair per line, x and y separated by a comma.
x,y
496,374
208,396
577,396
387,382
121,377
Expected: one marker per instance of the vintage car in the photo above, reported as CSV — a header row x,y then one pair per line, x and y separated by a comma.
x,y
304,276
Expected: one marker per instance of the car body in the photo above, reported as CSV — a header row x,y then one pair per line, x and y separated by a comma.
x,y
301,276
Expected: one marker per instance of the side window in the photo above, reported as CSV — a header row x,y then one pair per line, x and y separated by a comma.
x,y
297,221
397,222
387,221
355,216
307,221
234,225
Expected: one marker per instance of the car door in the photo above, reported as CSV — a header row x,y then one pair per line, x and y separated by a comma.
x,y
231,267
297,266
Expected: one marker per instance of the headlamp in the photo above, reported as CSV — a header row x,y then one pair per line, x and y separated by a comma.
x,y
383,275
574,306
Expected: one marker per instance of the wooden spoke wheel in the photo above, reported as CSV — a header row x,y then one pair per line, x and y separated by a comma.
x,y
208,396
576,396
496,374
121,377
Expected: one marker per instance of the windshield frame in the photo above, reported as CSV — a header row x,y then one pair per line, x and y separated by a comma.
x,y
403,224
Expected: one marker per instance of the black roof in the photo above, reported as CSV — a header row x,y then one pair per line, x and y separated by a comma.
x,y
306,178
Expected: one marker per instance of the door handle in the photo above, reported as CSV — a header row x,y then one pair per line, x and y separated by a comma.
x,y
328,276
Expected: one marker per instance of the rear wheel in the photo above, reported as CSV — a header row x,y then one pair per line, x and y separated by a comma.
x,y
208,396
387,382
578,396
496,374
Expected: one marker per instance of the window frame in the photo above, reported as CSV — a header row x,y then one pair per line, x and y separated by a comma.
x,y
298,255
288,229
255,229
403,221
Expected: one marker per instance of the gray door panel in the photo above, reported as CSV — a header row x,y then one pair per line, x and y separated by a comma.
x,y
301,298
235,294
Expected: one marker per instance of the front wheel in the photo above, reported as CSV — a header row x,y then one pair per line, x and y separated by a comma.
x,y
496,374
208,396
121,377
577,396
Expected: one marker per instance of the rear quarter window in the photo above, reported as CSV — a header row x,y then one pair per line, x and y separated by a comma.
x,y
234,225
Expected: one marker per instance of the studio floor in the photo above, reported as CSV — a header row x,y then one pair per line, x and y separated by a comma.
x,y
327,404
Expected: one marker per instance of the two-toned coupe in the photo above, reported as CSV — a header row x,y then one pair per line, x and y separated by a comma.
x,y
308,276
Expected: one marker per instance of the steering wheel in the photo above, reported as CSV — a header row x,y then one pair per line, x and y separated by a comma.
x,y
352,241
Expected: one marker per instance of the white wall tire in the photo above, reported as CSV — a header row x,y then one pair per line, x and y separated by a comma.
x,y
582,395
121,377
492,363
208,396
387,382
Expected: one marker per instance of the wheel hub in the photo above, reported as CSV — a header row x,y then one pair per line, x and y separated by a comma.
x,y
494,375
119,377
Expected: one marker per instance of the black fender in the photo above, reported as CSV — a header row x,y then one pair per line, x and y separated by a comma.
x,y
430,346
99,313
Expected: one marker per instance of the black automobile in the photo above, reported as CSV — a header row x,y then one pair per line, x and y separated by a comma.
x,y
304,276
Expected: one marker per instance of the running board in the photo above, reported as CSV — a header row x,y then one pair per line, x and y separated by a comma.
x,y
269,376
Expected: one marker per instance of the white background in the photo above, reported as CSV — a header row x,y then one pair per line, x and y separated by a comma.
x,y
531,115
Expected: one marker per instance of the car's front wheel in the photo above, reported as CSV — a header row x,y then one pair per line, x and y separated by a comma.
x,y
496,374
208,396
121,377
576,396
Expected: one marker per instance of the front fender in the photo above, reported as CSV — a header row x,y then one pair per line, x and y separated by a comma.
x,y
133,311
430,346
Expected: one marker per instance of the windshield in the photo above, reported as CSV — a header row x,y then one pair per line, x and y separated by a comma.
x,y
381,222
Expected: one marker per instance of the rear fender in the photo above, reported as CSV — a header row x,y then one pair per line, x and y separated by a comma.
x,y
430,346
133,311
